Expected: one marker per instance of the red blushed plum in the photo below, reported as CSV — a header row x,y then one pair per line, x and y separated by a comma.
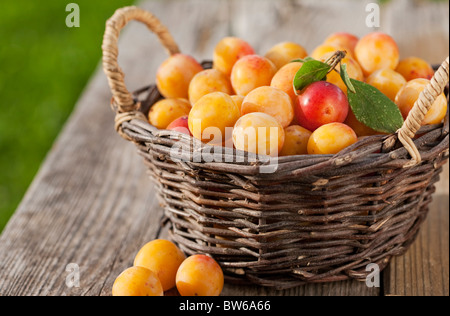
x,y
180,125
319,104
199,275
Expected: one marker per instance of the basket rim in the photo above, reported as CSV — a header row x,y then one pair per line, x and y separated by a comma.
x,y
367,149
153,96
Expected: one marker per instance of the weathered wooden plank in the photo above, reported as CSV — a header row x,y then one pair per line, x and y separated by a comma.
x,y
82,208
343,288
424,269
92,203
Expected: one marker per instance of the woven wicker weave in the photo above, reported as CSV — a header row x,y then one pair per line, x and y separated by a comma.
x,y
317,218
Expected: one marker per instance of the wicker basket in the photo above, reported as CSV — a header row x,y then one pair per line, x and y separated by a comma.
x,y
315,219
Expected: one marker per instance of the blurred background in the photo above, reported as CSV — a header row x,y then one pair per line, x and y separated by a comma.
x,y
44,66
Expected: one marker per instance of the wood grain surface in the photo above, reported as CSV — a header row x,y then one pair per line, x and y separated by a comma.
x,y
92,203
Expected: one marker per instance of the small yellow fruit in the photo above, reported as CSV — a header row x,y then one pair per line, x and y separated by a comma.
x,y
137,281
162,257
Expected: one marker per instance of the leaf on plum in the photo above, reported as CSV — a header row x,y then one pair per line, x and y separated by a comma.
x,y
310,72
374,109
302,60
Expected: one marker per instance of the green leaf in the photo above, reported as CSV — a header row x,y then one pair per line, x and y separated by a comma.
x,y
302,60
346,78
311,71
374,109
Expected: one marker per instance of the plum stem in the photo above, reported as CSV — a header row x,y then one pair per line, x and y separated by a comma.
x,y
335,59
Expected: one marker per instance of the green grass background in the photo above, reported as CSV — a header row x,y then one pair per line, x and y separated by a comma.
x,y
44,66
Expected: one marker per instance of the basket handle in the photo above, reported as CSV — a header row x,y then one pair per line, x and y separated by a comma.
x,y
123,102
416,116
